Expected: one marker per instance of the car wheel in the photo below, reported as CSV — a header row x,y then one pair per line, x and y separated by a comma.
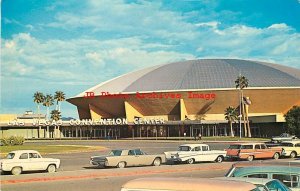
x,y
190,161
51,168
293,154
16,171
250,158
157,162
276,156
121,165
219,159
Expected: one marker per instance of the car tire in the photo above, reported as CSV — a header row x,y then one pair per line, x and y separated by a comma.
x,y
51,168
156,162
219,159
293,154
190,161
16,170
250,158
121,165
276,156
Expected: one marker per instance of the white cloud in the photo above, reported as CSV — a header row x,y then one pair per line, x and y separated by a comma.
x,y
280,26
213,24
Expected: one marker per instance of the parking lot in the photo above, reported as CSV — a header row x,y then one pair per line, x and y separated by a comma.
x,y
76,173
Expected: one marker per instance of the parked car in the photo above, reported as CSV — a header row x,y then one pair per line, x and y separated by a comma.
x,y
283,137
288,174
251,151
123,157
19,161
261,183
191,153
186,184
290,148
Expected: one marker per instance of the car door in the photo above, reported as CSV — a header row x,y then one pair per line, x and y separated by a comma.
x,y
143,159
36,161
24,162
132,159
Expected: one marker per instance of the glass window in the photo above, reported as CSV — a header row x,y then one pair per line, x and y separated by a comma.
x,y
33,155
276,185
287,144
184,148
24,156
197,148
263,147
204,148
138,152
115,153
234,147
257,176
257,146
297,145
247,147
131,152
288,179
10,156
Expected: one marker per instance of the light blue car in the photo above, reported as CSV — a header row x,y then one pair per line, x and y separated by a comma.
x,y
289,175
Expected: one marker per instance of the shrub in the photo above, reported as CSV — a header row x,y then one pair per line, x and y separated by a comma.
x,y
12,140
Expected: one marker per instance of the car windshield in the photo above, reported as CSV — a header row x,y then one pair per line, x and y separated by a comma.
x,y
277,185
234,146
184,148
10,156
115,153
287,144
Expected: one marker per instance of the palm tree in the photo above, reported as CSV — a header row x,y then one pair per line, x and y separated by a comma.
x,y
59,97
55,115
242,82
231,115
48,101
38,98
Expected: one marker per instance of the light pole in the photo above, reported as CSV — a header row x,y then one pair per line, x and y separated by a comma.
x,y
240,116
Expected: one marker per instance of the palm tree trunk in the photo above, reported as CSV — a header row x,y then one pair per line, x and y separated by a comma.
x,y
231,130
56,107
47,115
249,130
243,113
59,106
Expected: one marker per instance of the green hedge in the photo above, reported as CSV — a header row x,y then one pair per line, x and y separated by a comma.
x,y
12,140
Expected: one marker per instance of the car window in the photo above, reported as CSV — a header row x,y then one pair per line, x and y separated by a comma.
x,y
261,187
204,148
276,185
138,152
24,156
263,147
247,147
257,176
33,155
115,153
288,179
10,156
257,146
234,146
131,152
287,144
184,148
297,145
197,148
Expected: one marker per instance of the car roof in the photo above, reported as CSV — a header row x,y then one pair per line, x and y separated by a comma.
x,y
246,143
193,145
266,169
267,163
187,184
293,141
24,151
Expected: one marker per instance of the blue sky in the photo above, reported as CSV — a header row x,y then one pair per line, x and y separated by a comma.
x,y
50,45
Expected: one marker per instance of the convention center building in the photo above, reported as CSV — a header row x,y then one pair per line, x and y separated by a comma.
x,y
190,97
180,99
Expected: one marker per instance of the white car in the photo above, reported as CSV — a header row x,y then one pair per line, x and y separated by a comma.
x,y
27,160
191,153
